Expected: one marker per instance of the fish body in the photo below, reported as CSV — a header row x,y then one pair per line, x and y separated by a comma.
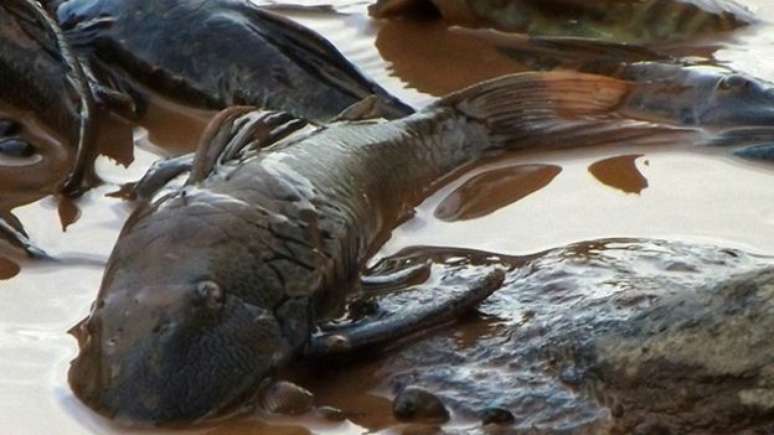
x,y
212,287
626,21
214,54
42,85
37,74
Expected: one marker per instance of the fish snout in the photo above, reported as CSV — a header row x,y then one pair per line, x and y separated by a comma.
x,y
202,357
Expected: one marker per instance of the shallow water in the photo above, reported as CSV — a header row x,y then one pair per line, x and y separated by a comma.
x,y
540,200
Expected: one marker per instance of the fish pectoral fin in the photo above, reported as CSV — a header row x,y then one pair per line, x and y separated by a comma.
x,y
237,130
423,307
12,231
395,280
160,174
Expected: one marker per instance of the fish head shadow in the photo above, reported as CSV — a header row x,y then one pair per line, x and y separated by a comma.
x,y
178,332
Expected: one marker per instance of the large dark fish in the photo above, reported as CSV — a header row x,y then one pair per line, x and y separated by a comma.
x,y
217,53
41,75
212,287
40,78
623,21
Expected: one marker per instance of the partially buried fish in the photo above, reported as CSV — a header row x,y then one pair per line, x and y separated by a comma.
x,y
214,54
43,80
627,21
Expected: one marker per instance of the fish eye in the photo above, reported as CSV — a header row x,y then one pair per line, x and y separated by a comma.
x,y
733,81
15,147
208,294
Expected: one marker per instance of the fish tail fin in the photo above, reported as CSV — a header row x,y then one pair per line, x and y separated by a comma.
x,y
557,110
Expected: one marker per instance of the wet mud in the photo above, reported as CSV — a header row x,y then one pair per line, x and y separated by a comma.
x,y
578,311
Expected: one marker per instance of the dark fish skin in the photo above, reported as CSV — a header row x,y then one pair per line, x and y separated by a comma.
x,y
622,21
40,76
36,75
694,95
217,53
667,91
214,286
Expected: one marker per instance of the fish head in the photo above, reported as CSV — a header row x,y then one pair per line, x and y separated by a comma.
x,y
184,327
733,99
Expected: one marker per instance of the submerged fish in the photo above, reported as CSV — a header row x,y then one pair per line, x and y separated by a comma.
x,y
627,21
214,286
216,53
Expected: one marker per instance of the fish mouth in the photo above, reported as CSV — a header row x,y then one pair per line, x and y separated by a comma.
x,y
178,375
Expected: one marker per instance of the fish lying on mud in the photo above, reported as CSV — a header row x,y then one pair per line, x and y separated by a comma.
x,y
214,54
42,81
626,21
215,285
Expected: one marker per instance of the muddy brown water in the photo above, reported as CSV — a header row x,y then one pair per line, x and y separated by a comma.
x,y
517,204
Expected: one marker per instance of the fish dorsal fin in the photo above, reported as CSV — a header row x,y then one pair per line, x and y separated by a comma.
x,y
321,58
367,108
236,130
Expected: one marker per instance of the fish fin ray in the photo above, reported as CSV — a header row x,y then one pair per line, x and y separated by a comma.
x,y
558,110
237,130
316,54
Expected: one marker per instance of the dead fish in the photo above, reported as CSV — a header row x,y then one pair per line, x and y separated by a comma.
x,y
42,75
214,54
626,21
667,90
213,287
696,95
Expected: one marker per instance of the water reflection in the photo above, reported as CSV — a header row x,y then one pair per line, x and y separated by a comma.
x,y
437,60
68,212
492,190
620,173
8,269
